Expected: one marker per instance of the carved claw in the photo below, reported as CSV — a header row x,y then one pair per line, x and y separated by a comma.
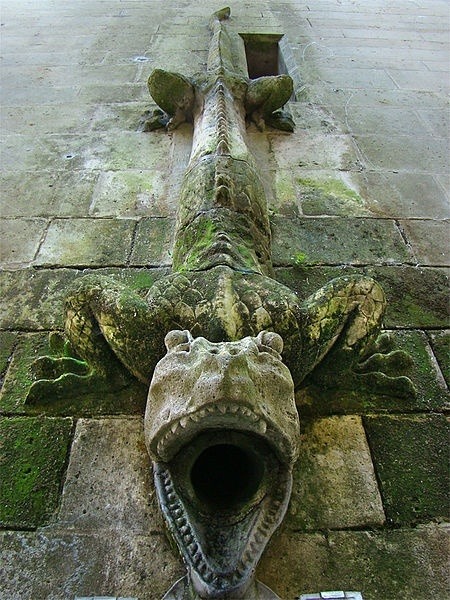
x,y
379,373
64,375
72,385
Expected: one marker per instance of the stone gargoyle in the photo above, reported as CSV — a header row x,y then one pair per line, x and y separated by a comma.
x,y
220,342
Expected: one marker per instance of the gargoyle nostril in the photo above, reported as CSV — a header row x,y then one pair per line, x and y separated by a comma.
x,y
176,337
271,340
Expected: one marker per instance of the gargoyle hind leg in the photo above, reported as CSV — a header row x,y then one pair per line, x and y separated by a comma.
x,y
342,342
111,331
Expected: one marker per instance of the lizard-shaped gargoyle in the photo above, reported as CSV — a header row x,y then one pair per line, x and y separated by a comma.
x,y
221,313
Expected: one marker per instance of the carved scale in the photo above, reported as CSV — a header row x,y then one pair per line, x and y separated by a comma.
x,y
220,342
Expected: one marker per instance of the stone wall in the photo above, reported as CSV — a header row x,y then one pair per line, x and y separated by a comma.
x,y
361,186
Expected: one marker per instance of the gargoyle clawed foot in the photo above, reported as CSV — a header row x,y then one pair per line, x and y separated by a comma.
x,y
377,373
63,375
344,320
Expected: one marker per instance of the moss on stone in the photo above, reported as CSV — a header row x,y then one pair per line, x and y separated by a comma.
x,y
34,453
7,341
329,197
411,457
191,243
19,378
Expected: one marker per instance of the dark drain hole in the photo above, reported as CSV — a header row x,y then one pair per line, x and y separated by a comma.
x,y
225,476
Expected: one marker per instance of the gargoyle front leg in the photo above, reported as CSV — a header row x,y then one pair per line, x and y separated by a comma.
x,y
266,95
342,345
113,335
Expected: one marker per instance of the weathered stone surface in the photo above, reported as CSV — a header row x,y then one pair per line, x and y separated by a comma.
x,y
131,194
311,151
440,342
416,296
334,482
318,192
47,194
34,299
20,240
7,343
153,242
111,564
410,564
430,391
109,480
429,240
405,153
34,453
403,194
336,241
86,242
411,457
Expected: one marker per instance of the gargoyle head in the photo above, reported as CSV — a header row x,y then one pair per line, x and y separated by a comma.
x,y
222,427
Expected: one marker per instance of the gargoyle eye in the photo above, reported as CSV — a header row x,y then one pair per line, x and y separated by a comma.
x,y
270,340
177,337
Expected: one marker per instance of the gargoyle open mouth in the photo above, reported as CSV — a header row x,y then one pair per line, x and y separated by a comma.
x,y
223,495
222,428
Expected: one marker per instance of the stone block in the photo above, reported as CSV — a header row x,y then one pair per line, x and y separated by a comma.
x,y
122,150
403,195
34,454
318,193
109,482
411,457
62,565
312,150
20,240
46,119
131,194
386,564
404,153
440,342
429,241
336,241
47,194
334,481
153,242
86,242
386,120
408,564
34,299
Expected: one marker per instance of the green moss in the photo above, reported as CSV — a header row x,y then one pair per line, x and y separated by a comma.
x,y
329,197
300,258
18,378
7,341
411,457
192,243
33,457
